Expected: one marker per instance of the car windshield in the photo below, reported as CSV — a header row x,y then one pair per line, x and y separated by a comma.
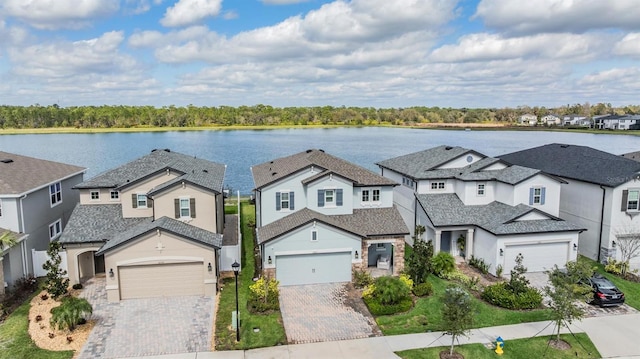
x,y
604,284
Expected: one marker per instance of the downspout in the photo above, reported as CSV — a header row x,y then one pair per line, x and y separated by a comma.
x,y
22,244
604,192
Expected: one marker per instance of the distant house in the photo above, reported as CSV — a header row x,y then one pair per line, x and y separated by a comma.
x,y
36,201
319,217
494,209
601,193
551,120
528,120
153,226
576,120
617,122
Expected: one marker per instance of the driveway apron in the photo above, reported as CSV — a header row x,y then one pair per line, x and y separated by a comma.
x,y
319,312
142,327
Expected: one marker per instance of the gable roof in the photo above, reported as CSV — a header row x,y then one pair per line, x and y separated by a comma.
x,y
272,171
632,155
496,217
201,172
96,223
577,162
167,224
423,166
363,223
23,174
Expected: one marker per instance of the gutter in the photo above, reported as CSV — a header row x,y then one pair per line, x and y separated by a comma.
x,y
22,244
604,192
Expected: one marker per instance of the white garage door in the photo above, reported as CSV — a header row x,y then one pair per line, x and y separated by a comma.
x,y
313,268
161,280
537,257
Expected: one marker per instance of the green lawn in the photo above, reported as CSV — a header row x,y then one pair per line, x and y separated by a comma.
x,y
271,329
426,315
516,349
630,289
15,342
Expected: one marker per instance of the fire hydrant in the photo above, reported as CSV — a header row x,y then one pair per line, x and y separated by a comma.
x,y
499,346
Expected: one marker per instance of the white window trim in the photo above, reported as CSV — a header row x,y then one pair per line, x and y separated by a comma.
x,y
438,183
380,248
331,204
539,196
287,192
483,189
371,201
188,208
637,209
314,234
50,194
146,201
111,195
53,225
91,195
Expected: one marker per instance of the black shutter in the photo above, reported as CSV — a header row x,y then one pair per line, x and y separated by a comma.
x,y
134,200
291,201
320,198
192,207
625,200
542,194
339,197
277,201
176,206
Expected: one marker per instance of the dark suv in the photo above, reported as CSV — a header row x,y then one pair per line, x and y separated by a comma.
x,y
605,293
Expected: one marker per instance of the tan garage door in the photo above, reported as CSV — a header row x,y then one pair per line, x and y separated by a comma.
x,y
161,280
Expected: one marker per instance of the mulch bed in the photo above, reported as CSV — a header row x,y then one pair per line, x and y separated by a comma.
x,y
485,279
445,355
559,344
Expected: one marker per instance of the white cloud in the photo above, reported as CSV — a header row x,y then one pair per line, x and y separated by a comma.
x,y
629,45
487,47
230,15
539,16
189,12
56,14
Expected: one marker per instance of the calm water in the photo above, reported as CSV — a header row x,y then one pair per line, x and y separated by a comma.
x,y
241,149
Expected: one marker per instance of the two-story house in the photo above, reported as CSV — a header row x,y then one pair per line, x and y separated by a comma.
x,y
153,226
319,217
36,201
601,193
495,209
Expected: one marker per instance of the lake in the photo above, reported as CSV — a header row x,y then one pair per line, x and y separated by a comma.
x,y
241,149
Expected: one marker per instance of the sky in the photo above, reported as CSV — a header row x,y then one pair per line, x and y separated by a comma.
x,y
285,53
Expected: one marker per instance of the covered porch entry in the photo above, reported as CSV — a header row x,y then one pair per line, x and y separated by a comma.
x,y
456,241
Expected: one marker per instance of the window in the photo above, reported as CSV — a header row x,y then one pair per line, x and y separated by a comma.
x,y
142,201
632,198
95,195
285,200
437,185
380,247
55,192
536,195
314,235
376,195
55,229
115,195
185,208
365,195
328,196
480,189
407,182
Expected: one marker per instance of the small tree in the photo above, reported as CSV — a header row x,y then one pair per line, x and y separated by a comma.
x,y
7,240
55,283
628,240
70,313
457,313
418,265
518,283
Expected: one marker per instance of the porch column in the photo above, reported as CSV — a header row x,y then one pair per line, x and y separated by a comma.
x,y
469,245
436,244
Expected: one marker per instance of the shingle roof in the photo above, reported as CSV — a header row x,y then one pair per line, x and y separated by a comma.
x,y
96,223
363,223
20,174
423,166
204,173
269,172
496,217
168,224
577,162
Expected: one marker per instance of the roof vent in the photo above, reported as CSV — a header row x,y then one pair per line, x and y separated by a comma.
x,y
564,146
154,150
205,171
274,173
321,150
448,148
6,160
167,150
309,151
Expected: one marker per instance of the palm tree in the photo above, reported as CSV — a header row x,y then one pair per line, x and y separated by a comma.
x,y
7,240
70,313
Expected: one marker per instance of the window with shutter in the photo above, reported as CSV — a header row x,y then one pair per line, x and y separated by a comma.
x,y
192,207
320,198
632,200
339,197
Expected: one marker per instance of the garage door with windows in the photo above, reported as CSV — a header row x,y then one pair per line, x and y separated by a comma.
x,y
537,257
313,268
161,280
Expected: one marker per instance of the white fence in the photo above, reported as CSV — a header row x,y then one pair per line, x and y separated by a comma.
x,y
40,257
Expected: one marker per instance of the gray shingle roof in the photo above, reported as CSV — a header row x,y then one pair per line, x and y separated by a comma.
x,y
363,223
496,217
577,162
422,166
168,224
20,174
204,173
269,172
96,223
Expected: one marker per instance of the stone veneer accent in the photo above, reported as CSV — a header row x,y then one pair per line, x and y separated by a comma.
x,y
398,255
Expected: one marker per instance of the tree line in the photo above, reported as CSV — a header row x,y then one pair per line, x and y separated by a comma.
x,y
111,116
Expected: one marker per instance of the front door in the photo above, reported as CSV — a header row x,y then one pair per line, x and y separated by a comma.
x,y
98,263
445,242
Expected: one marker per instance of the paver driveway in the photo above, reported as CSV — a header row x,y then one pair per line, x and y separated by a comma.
x,y
321,312
142,327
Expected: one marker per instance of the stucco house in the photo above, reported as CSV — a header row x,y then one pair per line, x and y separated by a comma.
x,y
319,217
36,201
497,210
551,120
601,193
617,122
528,119
576,120
153,226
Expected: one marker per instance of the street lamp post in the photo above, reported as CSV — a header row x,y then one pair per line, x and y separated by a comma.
x,y
236,269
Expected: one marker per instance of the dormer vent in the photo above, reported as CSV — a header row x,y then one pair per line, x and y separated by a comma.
x,y
6,160
448,148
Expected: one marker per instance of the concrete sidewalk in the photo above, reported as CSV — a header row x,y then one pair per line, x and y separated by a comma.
x,y
614,337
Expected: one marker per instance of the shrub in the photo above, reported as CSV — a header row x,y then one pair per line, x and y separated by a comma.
x,y
263,295
499,270
368,291
361,278
377,308
518,283
418,264
390,290
70,313
616,267
404,278
480,264
77,286
423,289
500,294
472,283
56,284
443,263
